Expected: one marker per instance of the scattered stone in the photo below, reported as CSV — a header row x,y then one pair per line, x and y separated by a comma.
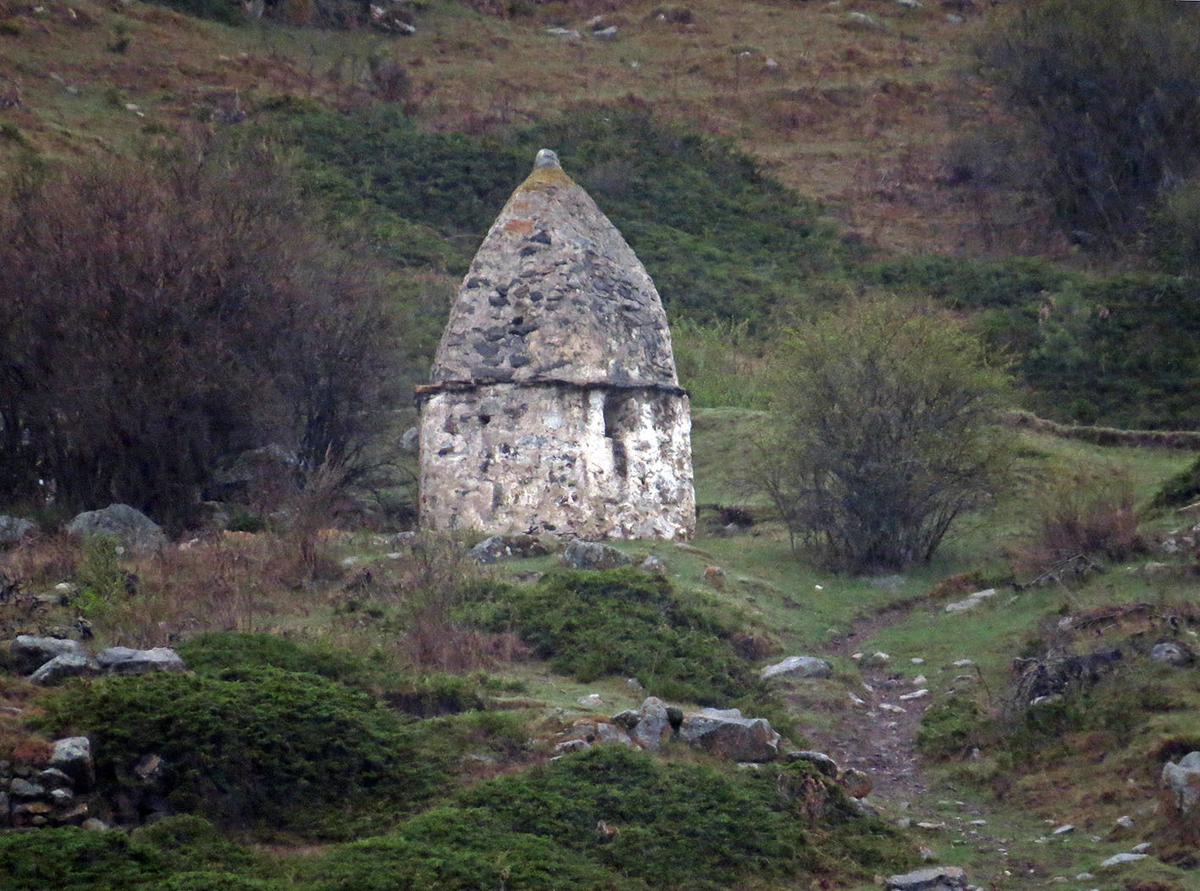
x,y
592,700
1125,821
819,760
410,440
962,663
876,660
861,21
909,4
60,796
13,529
971,601
862,703
1084,876
1141,848
94,824
931,825
917,660
857,783
571,745
130,528
490,550
581,554
919,680
634,684
1064,829
53,778
1183,780
609,33
916,694
935,878
1172,652
894,709
715,576
30,653
798,667
725,733
610,735
22,789
123,660
73,756
1119,859
569,34
653,565
955,19
63,666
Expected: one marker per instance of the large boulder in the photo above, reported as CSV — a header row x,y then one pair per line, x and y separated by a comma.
x,y
726,734
73,756
30,653
127,526
581,554
654,724
935,878
123,660
13,529
798,667
63,666
1172,652
1183,780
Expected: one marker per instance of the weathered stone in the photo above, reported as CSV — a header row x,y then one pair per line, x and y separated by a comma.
x,y
63,666
627,719
23,790
1121,859
59,797
149,769
73,756
935,878
819,760
554,404
1183,780
798,667
95,824
971,601
593,555
1172,652
654,723
30,653
571,745
53,778
653,565
489,550
130,528
857,783
123,660
13,529
610,734
725,733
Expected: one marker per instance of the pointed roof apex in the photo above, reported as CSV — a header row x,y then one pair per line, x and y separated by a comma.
x,y
556,294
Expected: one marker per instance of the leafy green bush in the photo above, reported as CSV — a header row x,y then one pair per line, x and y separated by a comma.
x,y
624,622
255,746
950,728
215,652
611,818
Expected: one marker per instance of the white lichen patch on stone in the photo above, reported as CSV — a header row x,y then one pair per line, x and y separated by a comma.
x,y
554,404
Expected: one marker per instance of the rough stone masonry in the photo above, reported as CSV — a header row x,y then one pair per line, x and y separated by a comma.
x,y
554,406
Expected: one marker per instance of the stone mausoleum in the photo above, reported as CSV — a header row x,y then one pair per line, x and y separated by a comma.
x,y
554,406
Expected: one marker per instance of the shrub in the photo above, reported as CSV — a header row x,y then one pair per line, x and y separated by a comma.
x,y
624,622
215,652
162,313
269,749
610,818
949,729
1112,91
885,434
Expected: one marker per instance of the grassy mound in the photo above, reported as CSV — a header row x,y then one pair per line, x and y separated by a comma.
x,y
614,819
624,622
261,747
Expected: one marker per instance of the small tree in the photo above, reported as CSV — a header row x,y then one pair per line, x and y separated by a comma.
x,y
884,435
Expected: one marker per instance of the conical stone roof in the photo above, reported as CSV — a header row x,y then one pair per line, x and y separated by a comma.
x,y
555,294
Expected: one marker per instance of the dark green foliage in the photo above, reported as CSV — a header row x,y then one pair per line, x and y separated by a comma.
x,y
1112,91
624,622
177,852
675,826
1180,490
950,728
215,652
256,746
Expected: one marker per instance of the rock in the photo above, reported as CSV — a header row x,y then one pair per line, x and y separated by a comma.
x,y
1125,821
1119,859
935,878
74,816
130,528
581,554
569,34
31,653
909,4
653,565
875,660
862,21
857,783
95,824
53,778
592,700
24,790
490,550
654,723
610,734
123,660
725,733
915,694
971,601
819,760
798,667
1172,652
60,796
1064,829
73,756
715,576
1183,780
149,769
63,666
609,33
410,440
571,745
1141,848
955,19
13,529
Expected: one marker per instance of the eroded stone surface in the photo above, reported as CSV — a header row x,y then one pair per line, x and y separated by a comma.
x,y
554,404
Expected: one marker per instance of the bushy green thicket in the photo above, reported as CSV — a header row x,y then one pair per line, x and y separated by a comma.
x,y
592,624
261,747
215,652
615,819
179,853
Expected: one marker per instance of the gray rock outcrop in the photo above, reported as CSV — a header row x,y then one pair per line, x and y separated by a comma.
x,y
581,554
935,878
798,667
73,757
30,653
123,660
1172,652
13,529
1183,780
726,734
63,666
127,526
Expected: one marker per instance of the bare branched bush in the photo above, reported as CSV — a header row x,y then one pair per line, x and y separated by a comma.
x,y
163,313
